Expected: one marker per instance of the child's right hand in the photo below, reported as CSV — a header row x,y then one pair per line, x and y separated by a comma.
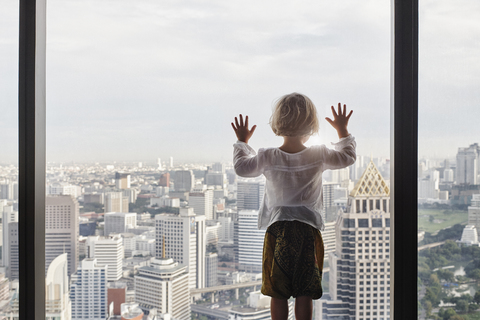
x,y
241,130
340,121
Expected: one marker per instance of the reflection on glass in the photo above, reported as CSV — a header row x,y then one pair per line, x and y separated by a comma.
x,y
448,165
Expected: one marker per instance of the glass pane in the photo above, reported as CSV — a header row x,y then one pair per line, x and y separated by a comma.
x,y
448,181
140,174
9,157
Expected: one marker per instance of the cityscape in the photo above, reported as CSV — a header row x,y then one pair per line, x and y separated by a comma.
x,y
180,241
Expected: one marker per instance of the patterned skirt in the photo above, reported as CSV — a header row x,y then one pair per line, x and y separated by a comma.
x,y
292,261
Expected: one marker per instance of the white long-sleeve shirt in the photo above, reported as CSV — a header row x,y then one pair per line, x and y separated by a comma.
x,y
293,190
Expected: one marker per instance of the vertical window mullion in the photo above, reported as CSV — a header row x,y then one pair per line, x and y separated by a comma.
x,y
31,202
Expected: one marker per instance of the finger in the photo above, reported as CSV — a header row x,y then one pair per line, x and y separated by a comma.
x,y
233,126
329,120
348,117
333,111
339,109
241,120
344,109
246,121
253,129
236,122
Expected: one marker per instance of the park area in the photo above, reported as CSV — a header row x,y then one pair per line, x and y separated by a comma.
x,y
434,220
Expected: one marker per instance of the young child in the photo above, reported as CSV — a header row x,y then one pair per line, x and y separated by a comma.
x,y
293,248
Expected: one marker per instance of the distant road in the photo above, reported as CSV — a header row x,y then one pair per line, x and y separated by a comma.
x,y
430,245
215,313
227,287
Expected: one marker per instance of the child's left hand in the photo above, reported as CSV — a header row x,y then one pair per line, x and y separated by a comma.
x,y
241,130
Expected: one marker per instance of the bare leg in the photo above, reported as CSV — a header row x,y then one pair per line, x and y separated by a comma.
x,y
303,308
279,309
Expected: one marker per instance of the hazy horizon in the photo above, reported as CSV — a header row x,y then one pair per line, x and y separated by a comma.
x,y
146,80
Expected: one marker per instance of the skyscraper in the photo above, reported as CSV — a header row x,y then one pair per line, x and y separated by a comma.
x,y
184,180
202,202
57,299
468,164
250,193
122,180
359,284
211,270
13,262
109,252
115,202
164,285
62,230
119,222
8,216
88,291
185,242
250,241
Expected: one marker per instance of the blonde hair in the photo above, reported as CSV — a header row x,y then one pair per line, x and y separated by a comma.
x,y
294,115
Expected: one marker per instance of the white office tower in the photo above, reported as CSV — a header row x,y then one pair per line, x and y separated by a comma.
x,y
164,286
9,190
184,180
159,164
88,291
61,229
428,187
340,175
329,239
250,193
171,162
109,252
212,231
115,202
469,236
185,242
473,213
57,299
225,233
258,308
122,180
13,262
211,269
468,165
448,175
129,241
250,242
8,216
202,202
359,286
119,222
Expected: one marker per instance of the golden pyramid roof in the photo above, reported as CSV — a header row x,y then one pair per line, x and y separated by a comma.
x,y
371,183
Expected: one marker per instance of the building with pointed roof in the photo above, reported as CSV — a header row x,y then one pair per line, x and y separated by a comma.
x,y
359,286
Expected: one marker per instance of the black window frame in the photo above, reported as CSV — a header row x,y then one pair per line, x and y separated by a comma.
x,y
32,158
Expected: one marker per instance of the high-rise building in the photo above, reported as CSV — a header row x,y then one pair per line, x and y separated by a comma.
x,y
216,179
474,213
250,241
184,180
218,167
202,202
57,299
185,242
13,262
9,190
61,229
8,216
225,233
250,193
88,291
116,294
119,222
359,285
164,285
109,252
211,269
115,202
122,180
164,180
468,165
64,189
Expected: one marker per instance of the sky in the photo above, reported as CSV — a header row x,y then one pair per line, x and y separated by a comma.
x,y
141,80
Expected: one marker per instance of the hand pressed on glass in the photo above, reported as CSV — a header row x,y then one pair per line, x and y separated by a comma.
x,y
241,129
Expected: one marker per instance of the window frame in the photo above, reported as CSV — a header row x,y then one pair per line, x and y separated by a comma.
x,y
32,158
